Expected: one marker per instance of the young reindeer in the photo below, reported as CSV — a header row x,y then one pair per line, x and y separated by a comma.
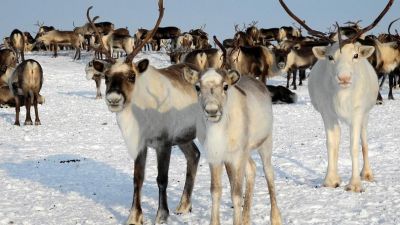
x,y
26,80
238,111
343,86
154,108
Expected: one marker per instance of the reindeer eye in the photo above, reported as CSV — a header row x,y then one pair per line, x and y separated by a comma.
x,y
355,56
330,58
225,87
131,78
197,86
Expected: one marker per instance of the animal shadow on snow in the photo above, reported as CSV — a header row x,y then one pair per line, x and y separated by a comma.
x,y
83,94
299,179
91,179
9,117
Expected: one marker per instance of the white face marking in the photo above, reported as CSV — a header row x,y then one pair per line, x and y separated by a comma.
x,y
115,102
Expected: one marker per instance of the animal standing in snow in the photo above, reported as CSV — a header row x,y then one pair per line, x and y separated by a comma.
x,y
343,86
238,111
17,41
26,80
154,108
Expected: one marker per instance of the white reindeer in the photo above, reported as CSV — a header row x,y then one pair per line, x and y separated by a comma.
x,y
343,86
239,119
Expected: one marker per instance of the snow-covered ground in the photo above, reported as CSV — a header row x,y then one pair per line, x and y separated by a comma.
x,y
75,169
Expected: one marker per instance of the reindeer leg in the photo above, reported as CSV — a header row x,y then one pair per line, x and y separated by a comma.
x,y
248,198
266,154
355,134
294,79
289,73
366,172
17,109
22,56
97,80
216,192
55,46
163,159
332,130
28,120
192,155
391,84
136,214
35,105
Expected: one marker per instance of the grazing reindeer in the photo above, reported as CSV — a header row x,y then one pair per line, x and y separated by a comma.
x,y
56,37
343,86
239,119
200,58
154,108
18,43
26,80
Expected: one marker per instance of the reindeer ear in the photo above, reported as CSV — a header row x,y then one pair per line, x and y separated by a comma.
x,y
233,77
366,51
319,52
143,65
190,75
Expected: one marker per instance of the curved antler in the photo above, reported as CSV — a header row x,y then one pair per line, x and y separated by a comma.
x,y
303,24
223,51
390,25
99,36
372,25
135,51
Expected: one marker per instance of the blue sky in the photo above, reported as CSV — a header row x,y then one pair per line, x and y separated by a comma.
x,y
218,15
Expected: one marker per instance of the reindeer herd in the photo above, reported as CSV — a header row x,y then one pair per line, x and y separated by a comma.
x,y
218,95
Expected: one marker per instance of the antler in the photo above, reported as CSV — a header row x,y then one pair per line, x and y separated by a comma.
x,y
390,25
353,23
38,24
135,51
302,23
223,51
102,48
372,25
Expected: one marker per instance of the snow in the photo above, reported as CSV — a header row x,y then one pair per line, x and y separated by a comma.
x,y
75,168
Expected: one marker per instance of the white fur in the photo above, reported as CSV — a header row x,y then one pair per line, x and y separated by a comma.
x,y
349,104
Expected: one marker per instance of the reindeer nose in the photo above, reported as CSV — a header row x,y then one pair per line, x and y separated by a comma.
x,y
113,98
344,78
211,109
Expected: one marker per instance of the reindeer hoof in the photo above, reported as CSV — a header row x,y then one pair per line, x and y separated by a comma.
x,y
17,124
37,123
162,216
367,176
354,188
135,218
28,122
332,182
98,97
183,209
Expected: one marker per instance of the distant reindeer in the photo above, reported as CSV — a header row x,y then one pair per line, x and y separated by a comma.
x,y
56,37
26,80
18,43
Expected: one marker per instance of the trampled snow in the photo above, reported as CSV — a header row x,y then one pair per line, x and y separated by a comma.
x,y
75,168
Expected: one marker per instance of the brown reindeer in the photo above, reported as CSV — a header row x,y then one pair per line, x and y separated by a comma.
x,y
18,43
26,80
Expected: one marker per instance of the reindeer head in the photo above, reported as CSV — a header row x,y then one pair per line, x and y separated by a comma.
x,y
212,87
121,75
344,55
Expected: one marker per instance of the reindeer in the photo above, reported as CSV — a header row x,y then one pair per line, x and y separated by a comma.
x,y
200,58
238,112
56,37
343,86
18,43
154,108
25,80
7,58
257,61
